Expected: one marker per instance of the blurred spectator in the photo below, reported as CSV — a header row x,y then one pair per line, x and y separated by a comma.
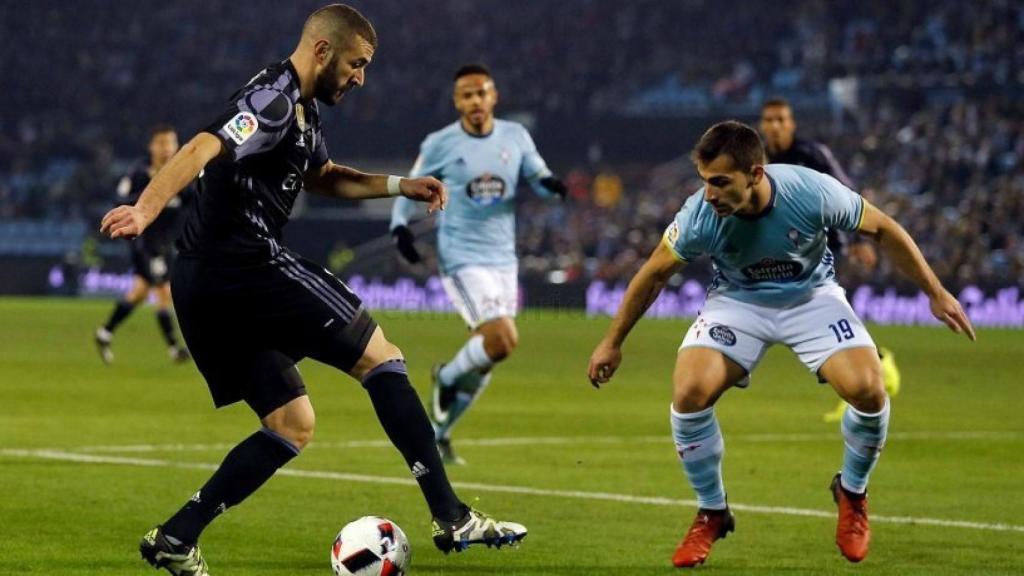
x,y
937,138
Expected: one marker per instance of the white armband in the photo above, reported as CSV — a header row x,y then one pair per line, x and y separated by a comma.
x,y
393,185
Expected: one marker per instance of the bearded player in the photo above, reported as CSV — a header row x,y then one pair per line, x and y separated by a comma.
x,y
480,159
250,308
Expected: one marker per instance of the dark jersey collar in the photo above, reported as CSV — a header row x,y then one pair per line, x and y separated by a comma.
x,y
480,136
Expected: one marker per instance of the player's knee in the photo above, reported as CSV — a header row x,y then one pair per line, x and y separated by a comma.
x,y
378,351
692,394
297,430
501,345
868,392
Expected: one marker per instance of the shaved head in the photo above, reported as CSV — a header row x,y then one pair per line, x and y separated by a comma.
x,y
338,24
337,45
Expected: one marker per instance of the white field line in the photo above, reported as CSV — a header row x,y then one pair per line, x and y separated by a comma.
x,y
967,435
505,489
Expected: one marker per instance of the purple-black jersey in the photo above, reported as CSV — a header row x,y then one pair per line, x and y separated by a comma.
x,y
272,137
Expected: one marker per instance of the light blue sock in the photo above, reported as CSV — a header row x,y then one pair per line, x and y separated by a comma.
x,y
470,358
864,436
700,446
471,386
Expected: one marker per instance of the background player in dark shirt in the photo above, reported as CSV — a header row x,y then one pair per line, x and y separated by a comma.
x,y
784,147
250,308
152,253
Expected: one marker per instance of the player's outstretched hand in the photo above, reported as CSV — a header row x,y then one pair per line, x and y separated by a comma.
x,y
555,186
946,308
406,244
426,189
603,363
124,222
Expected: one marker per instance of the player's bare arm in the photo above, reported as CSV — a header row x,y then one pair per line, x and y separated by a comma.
x,y
129,221
643,290
898,245
339,181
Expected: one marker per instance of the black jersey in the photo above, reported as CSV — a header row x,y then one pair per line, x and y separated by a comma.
x,y
813,155
816,156
272,137
160,235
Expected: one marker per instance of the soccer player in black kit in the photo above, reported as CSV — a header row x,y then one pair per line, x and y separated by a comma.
x,y
152,253
784,147
250,308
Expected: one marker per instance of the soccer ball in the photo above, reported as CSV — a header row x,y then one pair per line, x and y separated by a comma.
x,y
370,546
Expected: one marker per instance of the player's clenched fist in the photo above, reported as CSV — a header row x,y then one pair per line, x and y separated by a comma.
x,y
603,363
124,222
426,189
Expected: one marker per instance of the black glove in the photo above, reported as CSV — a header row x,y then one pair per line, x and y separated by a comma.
x,y
406,244
555,186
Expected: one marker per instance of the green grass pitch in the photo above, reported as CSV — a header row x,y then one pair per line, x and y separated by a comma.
x,y
605,493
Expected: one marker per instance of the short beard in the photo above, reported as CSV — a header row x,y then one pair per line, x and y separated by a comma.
x,y
323,90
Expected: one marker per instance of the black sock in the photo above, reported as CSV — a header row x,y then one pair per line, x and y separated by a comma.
x,y
405,421
121,311
163,318
246,467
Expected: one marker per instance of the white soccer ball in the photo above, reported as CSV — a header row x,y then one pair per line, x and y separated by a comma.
x,y
370,546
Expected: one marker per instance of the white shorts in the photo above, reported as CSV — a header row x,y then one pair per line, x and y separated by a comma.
x,y
814,330
482,293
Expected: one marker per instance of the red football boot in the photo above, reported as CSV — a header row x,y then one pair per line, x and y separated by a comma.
x,y
853,534
710,525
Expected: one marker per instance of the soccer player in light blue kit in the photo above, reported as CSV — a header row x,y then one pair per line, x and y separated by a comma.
x,y
765,230
480,159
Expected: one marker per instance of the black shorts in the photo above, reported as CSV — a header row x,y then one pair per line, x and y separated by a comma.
x,y
152,264
246,327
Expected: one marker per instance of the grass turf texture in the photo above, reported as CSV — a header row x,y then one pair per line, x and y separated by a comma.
x,y
85,518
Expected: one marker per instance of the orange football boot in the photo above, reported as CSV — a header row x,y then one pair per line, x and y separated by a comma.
x,y
710,525
853,534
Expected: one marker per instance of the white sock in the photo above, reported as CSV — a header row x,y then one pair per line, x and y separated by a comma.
x,y
472,357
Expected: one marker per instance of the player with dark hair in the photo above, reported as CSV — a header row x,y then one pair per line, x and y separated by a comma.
x,y
764,227
481,159
250,308
152,253
784,147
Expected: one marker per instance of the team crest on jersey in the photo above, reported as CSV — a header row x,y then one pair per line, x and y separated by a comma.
x,y
770,269
486,189
672,234
241,127
723,335
505,156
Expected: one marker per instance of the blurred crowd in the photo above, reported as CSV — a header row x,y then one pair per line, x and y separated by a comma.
x,y
85,80
952,174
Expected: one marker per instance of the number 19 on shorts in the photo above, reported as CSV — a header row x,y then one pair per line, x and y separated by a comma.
x,y
842,330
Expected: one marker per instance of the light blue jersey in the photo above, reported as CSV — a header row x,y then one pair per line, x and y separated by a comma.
x,y
777,258
481,174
